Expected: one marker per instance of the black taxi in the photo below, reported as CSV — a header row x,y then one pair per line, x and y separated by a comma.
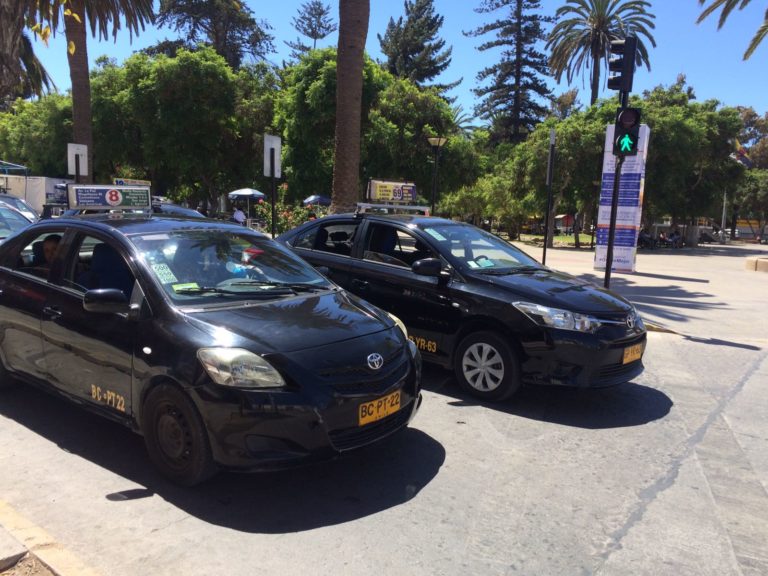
x,y
474,303
217,344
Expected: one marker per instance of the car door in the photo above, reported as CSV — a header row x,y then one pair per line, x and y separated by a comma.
x,y
329,244
24,289
90,355
383,276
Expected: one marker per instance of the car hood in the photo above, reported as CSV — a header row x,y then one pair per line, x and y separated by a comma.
x,y
559,290
291,324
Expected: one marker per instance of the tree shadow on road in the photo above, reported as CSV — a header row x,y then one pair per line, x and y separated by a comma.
x,y
361,484
599,408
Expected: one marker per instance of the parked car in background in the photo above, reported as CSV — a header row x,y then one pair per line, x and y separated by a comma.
x,y
218,345
11,220
21,205
157,208
475,303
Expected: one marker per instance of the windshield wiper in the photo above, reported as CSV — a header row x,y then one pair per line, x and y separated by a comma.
x,y
295,286
509,270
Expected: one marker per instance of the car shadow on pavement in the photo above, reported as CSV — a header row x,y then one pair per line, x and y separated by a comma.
x,y
366,482
620,406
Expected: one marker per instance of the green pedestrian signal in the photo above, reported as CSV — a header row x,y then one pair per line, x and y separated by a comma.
x,y
626,132
626,143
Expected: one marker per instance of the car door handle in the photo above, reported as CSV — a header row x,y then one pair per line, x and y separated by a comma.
x,y
360,284
51,312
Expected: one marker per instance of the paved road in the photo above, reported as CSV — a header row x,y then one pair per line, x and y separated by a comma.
x,y
666,475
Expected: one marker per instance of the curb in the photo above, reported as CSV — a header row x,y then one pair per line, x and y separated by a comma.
x,y
756,263
11,550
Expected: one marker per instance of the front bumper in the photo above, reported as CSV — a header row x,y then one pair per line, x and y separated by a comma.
x,y
583,360
268,430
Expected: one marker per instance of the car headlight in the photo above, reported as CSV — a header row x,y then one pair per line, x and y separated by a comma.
x,y
239,368
400,325
557,318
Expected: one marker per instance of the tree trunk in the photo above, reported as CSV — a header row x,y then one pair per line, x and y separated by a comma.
x,y
82,131
595,85
12,17
353,30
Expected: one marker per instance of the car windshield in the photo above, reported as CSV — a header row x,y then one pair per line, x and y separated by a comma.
x,y
201,266
469,247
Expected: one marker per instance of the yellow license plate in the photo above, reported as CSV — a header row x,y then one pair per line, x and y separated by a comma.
x,y
379,408
632,353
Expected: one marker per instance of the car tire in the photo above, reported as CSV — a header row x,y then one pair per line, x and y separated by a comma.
x,y
487,367
175,436
6,380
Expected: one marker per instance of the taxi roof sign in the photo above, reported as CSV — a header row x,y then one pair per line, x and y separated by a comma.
x,y
106,197
384,191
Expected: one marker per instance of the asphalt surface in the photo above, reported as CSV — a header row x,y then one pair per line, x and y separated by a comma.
x,y
695,300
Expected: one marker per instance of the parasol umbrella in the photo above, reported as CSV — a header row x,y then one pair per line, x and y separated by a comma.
x,y
248,194
317,199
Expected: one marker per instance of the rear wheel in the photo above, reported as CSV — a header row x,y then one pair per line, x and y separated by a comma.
x,y
176,437
487,367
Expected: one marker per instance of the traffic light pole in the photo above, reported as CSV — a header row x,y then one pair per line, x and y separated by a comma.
x,y
612,225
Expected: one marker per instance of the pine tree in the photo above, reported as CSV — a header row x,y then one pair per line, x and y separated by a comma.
x,y
411,45
513,97
314,21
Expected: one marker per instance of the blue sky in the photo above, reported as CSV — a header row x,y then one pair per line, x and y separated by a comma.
x,y
711,59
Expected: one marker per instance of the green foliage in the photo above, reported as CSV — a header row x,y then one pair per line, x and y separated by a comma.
x,y
412,47
229,27
35,134
314,21
512,98
582,36
728,6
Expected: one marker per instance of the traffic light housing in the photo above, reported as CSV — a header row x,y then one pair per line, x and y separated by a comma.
x,y
626,134
622,64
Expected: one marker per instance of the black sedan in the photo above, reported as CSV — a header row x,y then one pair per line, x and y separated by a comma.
x,y
220,346
477,304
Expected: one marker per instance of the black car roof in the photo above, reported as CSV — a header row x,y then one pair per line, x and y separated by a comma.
x,y
133,223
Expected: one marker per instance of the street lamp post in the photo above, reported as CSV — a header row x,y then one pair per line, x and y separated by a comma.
x,y
436,142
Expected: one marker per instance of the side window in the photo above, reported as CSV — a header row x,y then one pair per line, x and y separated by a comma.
x,y
99,265
383,245
36,257
335,238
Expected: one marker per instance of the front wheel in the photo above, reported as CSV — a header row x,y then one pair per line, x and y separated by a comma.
x,y
487,367
175,436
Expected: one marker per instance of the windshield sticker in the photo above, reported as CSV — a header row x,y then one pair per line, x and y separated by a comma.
x,y
164,273
486,263
185,286
473,264
435,234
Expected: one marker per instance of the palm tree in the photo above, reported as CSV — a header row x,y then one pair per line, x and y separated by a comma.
x,y
353,30
728,6
35,78
101,15
12,17
583,34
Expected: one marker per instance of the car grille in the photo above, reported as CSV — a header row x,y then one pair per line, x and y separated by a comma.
x,y
616,372
367,385
349,438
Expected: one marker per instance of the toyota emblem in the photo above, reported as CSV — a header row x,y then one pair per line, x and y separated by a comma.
x,y
630,321
375,361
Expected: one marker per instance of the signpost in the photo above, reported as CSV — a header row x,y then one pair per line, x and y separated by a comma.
x,y
77,160
272,151
624,208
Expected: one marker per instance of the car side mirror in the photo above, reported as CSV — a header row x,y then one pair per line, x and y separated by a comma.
x,y
106,300
428,267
